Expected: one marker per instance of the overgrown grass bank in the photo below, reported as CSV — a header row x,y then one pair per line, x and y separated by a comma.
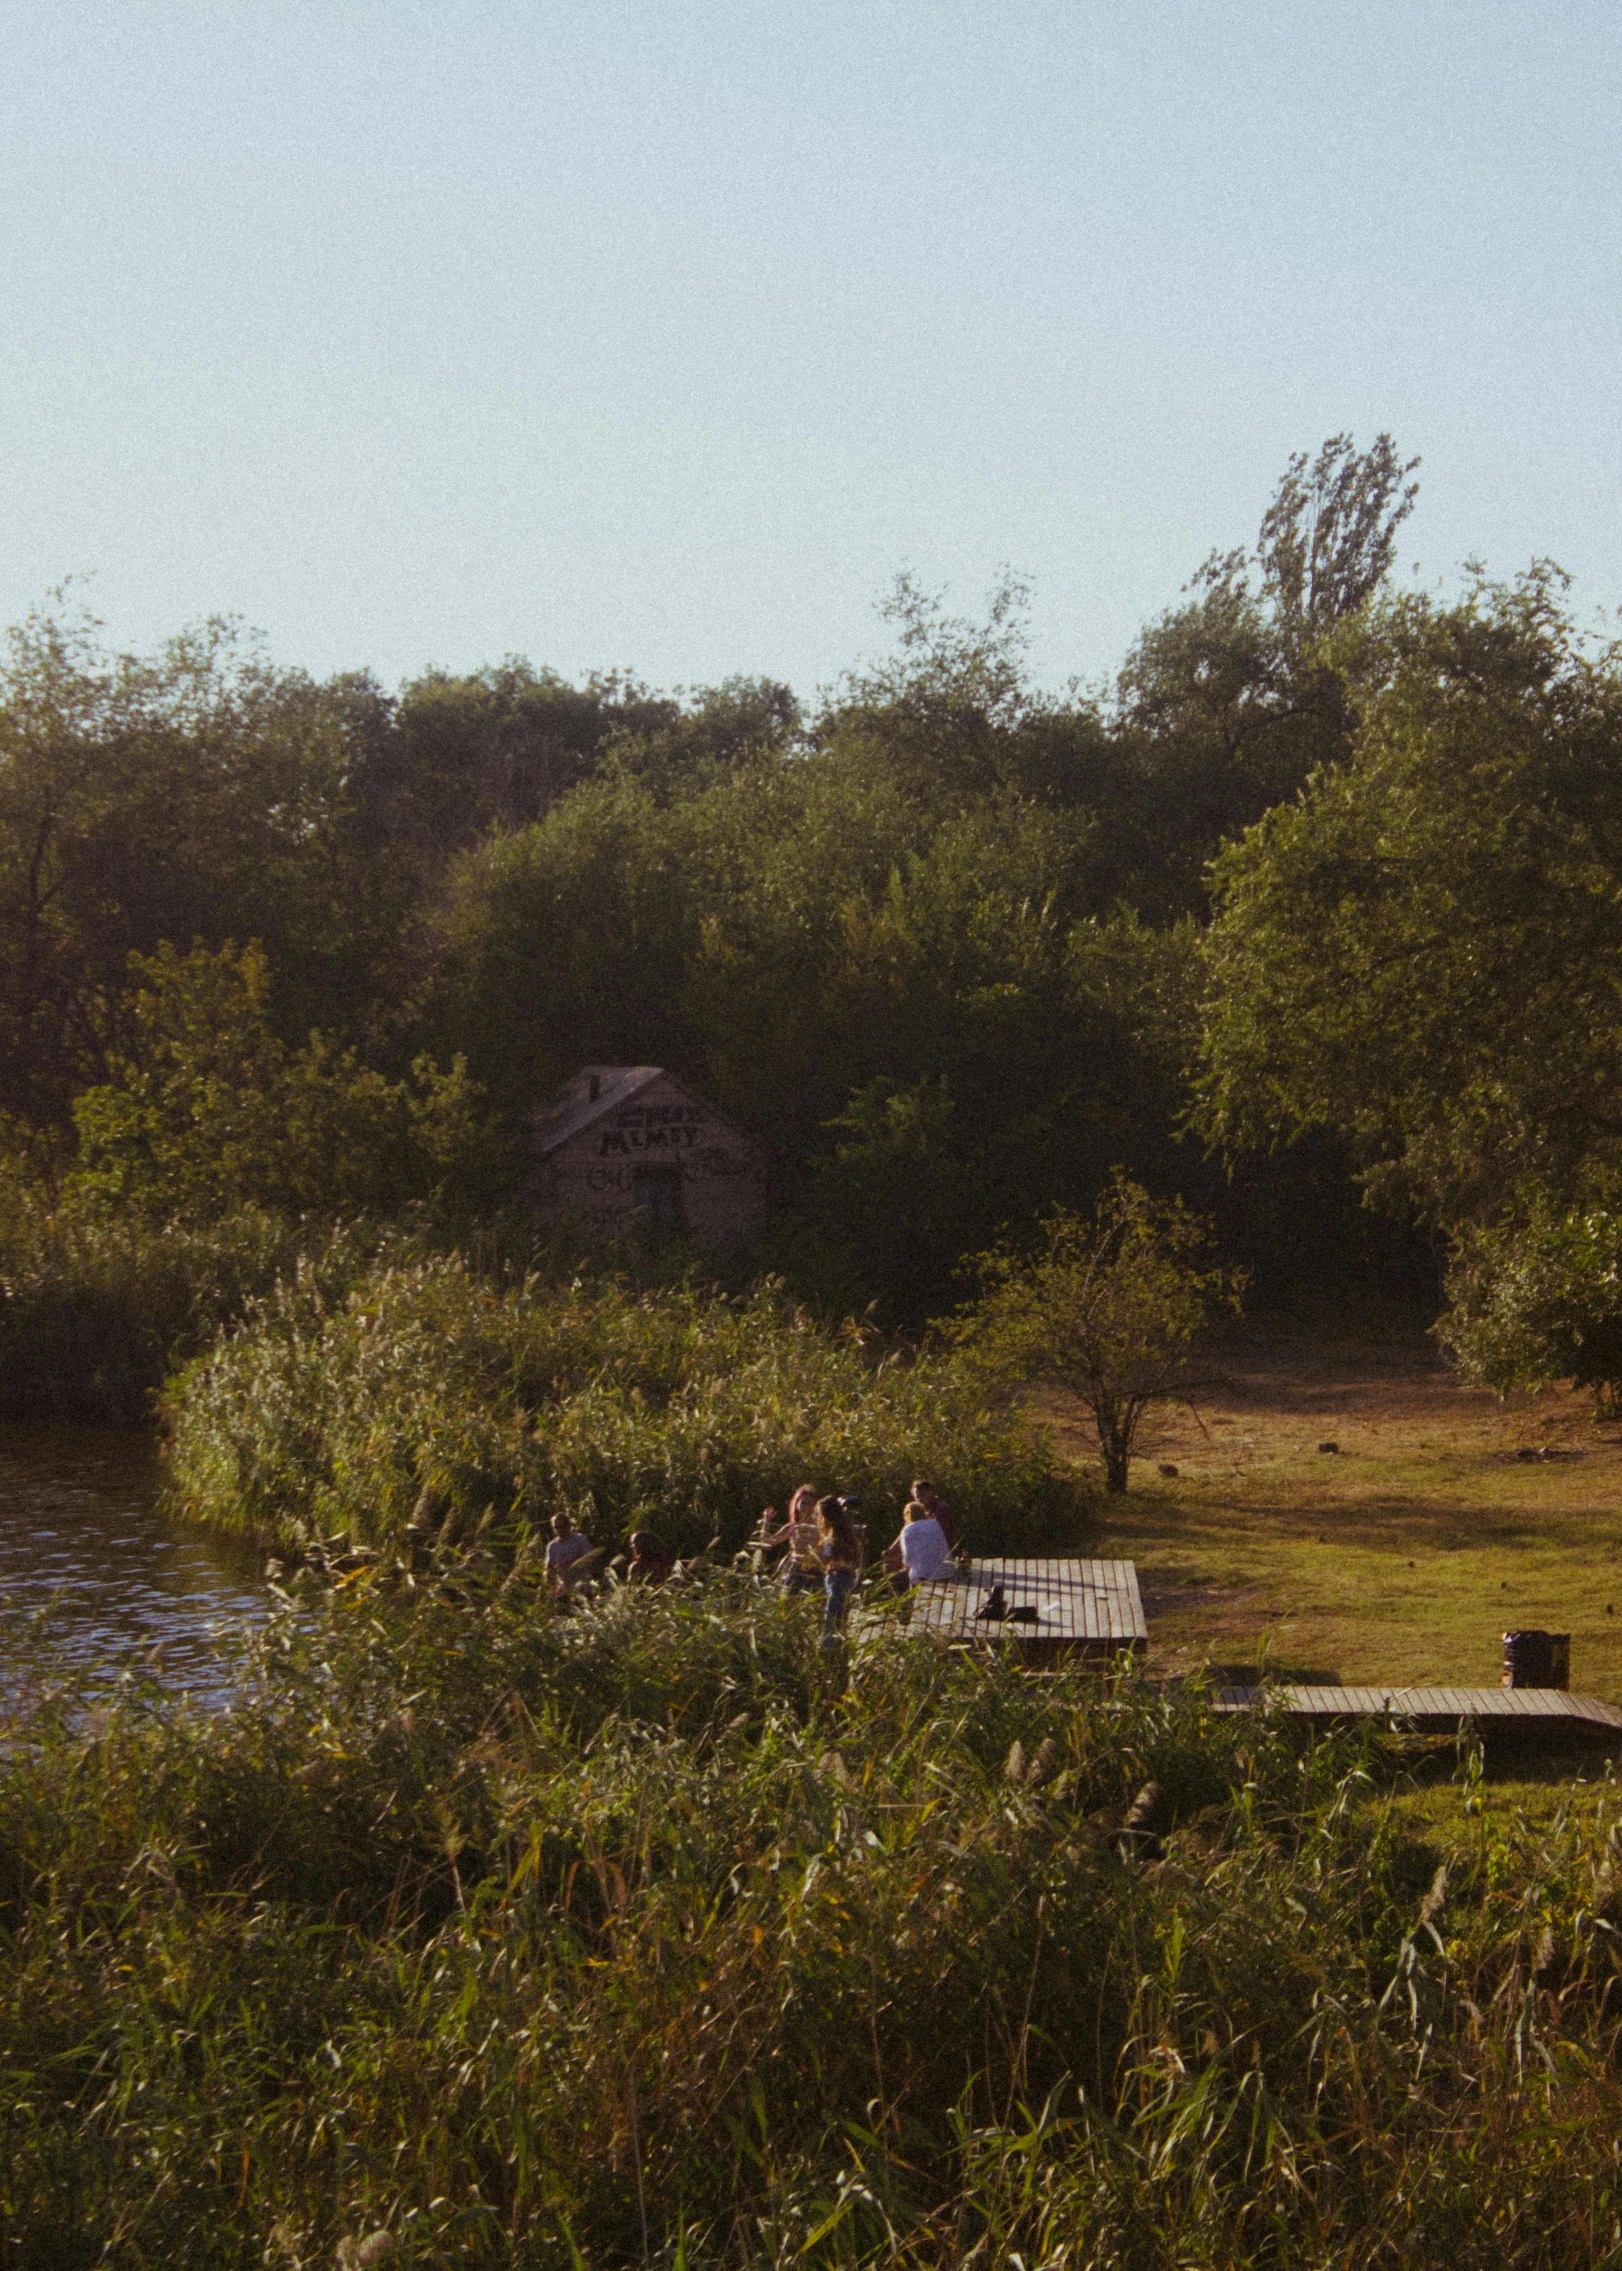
x,y
657,1934
428,1404
98,1306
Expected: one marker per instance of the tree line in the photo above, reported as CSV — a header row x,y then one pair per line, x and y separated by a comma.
x,y
1312,906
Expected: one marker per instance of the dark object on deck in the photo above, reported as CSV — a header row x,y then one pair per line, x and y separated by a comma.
x,y
1003,1611
1537,1659
1329,1446
1139,1838
1437,1710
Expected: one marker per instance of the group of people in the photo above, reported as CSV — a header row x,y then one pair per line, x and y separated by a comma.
x,y
825,1545
570,1555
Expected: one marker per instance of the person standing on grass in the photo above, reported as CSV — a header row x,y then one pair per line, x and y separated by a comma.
x,y
568,1549
802,1570
840,1550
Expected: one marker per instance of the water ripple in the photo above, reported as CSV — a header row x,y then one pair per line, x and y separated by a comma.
x,y
81,1535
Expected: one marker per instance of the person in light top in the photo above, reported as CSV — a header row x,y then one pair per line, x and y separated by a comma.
x,y
802,1570
930,1499
921,1551
568,1549
840,1545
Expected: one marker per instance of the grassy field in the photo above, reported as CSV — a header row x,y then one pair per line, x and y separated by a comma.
x,y
1403,1555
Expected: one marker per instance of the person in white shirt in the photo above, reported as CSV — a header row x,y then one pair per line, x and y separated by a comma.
x,y
921,1551
564,1555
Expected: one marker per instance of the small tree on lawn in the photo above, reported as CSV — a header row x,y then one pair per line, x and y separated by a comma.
x,y
1109,1307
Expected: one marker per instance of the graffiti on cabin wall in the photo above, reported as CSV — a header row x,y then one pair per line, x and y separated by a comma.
x,y
696,1167
678,1140
653,1127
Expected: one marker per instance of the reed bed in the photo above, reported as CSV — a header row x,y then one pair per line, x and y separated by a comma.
x,y
428,1405
97,1307
476,1934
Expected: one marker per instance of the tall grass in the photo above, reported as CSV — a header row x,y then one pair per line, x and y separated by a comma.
x,y
428,1403
656,1934
98,1307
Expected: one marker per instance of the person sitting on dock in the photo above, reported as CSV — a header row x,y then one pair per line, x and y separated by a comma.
x,y
649,1563
802,1570
921,1551
569,1548
930,1499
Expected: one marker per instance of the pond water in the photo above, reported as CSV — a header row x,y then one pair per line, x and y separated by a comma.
x,y
81,1535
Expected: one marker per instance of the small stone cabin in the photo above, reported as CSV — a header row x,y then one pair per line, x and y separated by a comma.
x,y
632,1140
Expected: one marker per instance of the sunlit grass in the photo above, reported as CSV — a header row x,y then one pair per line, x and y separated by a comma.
x,y
1404,1555
425,1406
661,1933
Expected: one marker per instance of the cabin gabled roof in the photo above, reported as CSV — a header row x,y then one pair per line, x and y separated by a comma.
x,y
617,1085
577,1108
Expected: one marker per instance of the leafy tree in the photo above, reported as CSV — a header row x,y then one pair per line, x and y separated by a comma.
x,y
1110,1307
945,709
196,793
1329,537
498,747
208,1109
1226,704
568,942
721,728
1422,958
895,1190
1539,1299
1422,954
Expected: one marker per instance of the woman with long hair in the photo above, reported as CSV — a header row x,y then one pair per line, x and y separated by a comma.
x,y
840,1545
802,1564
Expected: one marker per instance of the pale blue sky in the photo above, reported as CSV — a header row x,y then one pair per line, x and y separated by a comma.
x,y
665,334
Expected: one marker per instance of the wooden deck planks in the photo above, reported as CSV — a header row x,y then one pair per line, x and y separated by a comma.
x,y
1424,1706
1082,1603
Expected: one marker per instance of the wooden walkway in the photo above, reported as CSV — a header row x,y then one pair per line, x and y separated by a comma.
x,y
1069,1606
1433,1710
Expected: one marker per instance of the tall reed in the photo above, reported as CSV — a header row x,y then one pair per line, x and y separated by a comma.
x,y
426,1402
97,1307
474,1934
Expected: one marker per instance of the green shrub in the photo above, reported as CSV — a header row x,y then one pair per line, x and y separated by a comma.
x,y
656,1934
425,1401
206,1109
97,1307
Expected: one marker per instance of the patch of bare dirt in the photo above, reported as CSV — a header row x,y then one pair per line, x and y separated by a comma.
x,y
1272,1393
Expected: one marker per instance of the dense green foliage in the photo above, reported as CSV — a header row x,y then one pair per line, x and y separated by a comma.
x,y
659,1934
422,1406
661,1931
206,1109
96,1308
311,947
1422,953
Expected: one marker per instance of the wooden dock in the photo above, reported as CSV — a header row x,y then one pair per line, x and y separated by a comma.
x,y
1433,1710
1052,1608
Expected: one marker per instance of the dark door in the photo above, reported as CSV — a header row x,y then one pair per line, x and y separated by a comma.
x,y
658,1197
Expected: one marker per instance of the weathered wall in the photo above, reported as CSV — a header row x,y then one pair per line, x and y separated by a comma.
x,y
593,1177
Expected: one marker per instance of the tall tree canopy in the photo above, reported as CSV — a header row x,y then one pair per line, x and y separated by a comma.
x,y
1227,703
935,942
1424,951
